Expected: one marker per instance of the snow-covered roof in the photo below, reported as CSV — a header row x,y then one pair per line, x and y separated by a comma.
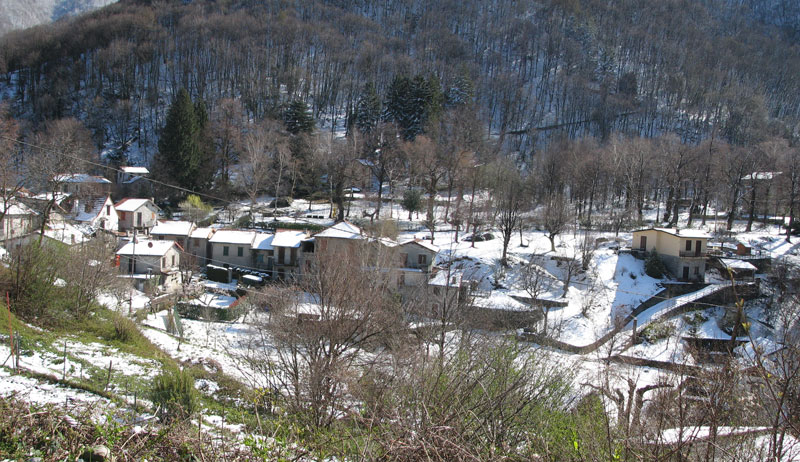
x,y
263,241
202,233
342,230
173,228
17,208
130,204
60,197
135,170
735,264
422,243
288,239
146,247
686,232
232,236
80,178
87,210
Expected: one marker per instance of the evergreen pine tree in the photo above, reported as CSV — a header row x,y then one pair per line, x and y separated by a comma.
x,y
412,103
368,109
182,156
297,118
461,91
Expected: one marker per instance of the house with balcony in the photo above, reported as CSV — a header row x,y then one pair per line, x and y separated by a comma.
x,y
683,251
137,215
145,260
415,262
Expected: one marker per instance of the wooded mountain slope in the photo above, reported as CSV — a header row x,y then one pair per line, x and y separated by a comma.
x,y
578,67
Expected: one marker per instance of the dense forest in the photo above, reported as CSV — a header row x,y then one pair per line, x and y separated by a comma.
x,y
538,69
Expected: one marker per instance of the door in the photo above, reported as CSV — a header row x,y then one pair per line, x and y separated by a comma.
x,y
685,273
643,243
139,219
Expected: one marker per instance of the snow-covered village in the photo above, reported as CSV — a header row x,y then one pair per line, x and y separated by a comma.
x,y
323,231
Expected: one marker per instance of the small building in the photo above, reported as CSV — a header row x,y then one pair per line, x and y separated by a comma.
x,y
18,220
97,213
137,214
132,181
230,247
740,270
144,259
82,184
683,251
173,230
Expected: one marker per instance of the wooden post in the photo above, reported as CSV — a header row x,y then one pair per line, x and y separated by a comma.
x,y
633,334
108,377
64,373
10,331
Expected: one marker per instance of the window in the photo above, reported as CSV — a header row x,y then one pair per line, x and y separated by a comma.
x,y
697,271
196,243
164,262
225,251
240,251
108,210
138,218
688,245
173,260
422,259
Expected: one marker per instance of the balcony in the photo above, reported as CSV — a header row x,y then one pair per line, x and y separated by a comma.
x,y
691,254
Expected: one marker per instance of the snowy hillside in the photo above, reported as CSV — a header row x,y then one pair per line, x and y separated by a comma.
x,y
21,14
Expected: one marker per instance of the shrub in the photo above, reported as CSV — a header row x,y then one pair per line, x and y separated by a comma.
x,y
174,394
125,330
653,266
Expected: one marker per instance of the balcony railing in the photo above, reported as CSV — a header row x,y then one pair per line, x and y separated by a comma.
x,y
692,254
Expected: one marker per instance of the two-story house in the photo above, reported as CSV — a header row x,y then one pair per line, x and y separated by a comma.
x,y
95,212
683,251
416,262
136,214
144,259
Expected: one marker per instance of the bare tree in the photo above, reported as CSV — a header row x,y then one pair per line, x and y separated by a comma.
x,y
63,148
554,218
508,194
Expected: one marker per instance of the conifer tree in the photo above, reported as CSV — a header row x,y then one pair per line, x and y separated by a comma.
x,y
182,156
368,109
297,118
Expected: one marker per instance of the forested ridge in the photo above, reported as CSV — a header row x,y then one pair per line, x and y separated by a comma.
x,y
538,69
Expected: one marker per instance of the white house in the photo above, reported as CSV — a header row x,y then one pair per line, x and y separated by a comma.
x,y
136,214
98,213
143,259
